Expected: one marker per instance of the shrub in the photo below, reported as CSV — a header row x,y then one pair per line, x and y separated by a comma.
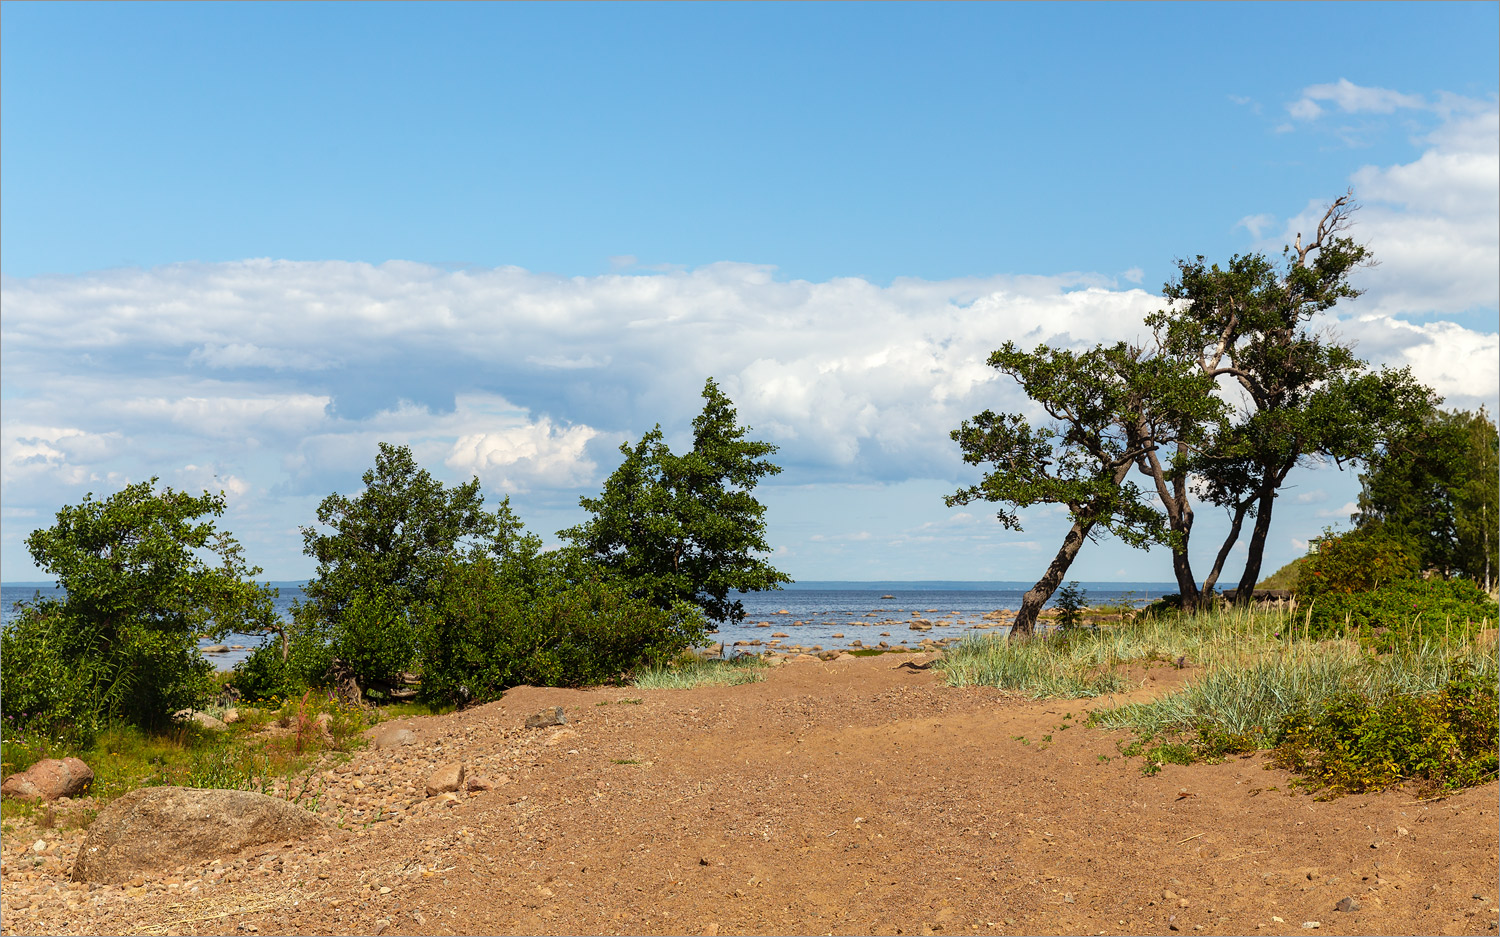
x,y
266,675
1071,601
1355,743
1403,611
139,591
1360,561
482,634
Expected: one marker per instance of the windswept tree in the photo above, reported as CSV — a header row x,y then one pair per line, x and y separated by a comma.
x,y
685,528
1303,395
1081,459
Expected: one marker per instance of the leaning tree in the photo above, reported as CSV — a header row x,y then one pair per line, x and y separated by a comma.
x,y
1080,458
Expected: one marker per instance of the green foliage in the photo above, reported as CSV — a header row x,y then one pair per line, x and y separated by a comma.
x,y
122,644
1248,324
274,671
1359,561
387,549
1404,611
685,528
1076,460
1071,601
480,635
1355,743
1436,486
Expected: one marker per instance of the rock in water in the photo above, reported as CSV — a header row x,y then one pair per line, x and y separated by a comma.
x,y
50,779
158,828
547,717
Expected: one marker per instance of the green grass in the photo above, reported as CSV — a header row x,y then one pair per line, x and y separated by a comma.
x,y
1085,662
125,758
1262,678
687,674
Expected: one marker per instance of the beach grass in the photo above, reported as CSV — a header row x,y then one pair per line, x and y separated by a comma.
x,y
685,674
1258,674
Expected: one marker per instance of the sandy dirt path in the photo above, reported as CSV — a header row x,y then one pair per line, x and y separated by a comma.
x,y
857,796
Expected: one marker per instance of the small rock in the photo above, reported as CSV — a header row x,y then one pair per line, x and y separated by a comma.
x,y
215,649
479,783
547,717
1346,904
445,780
390,735
1311,925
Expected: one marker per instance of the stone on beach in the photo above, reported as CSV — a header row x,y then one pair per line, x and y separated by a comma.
x,y
50,779
158,828
547,717
448,778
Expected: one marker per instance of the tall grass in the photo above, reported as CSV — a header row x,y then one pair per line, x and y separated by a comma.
x,y
1253,697
686,674
1082,662
1259,668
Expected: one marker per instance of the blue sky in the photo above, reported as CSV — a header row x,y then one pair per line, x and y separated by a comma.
x,y
243,243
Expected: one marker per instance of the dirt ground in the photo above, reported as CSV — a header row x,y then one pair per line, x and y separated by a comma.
x,y
858,796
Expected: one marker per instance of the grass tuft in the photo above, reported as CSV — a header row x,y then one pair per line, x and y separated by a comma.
x,y
687,674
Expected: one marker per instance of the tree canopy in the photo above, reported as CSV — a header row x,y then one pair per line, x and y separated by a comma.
x,y
1080,459
1435,487
139,593
387,549
685,528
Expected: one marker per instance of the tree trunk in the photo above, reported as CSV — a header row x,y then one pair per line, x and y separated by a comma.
x,y
1037,595
1251,575
1174,499
1229,541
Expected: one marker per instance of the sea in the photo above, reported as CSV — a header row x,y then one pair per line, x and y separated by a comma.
x,y
818,610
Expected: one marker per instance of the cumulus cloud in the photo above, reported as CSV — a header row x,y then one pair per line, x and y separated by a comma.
x,y
274,379
1433,225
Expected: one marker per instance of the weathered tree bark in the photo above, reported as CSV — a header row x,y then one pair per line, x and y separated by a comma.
x,y
1229,541
1257,546
1037,595
1180,520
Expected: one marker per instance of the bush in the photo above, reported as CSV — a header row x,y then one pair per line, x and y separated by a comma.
x,y
481,635
121,645
1071,601
1403,611
375,637
1354,743
267,675
1360,561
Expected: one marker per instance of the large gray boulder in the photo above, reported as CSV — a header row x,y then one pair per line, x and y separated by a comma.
x,y
159,828
50,779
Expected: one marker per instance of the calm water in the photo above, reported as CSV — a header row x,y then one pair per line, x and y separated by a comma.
x,y
824,608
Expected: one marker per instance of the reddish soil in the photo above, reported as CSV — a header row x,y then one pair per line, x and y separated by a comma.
x,y
855,796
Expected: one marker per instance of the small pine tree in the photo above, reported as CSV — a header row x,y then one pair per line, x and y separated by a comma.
x,y
1071,601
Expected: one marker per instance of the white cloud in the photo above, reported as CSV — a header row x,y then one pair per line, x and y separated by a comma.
x,y
1256,224
517,457
1351,99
